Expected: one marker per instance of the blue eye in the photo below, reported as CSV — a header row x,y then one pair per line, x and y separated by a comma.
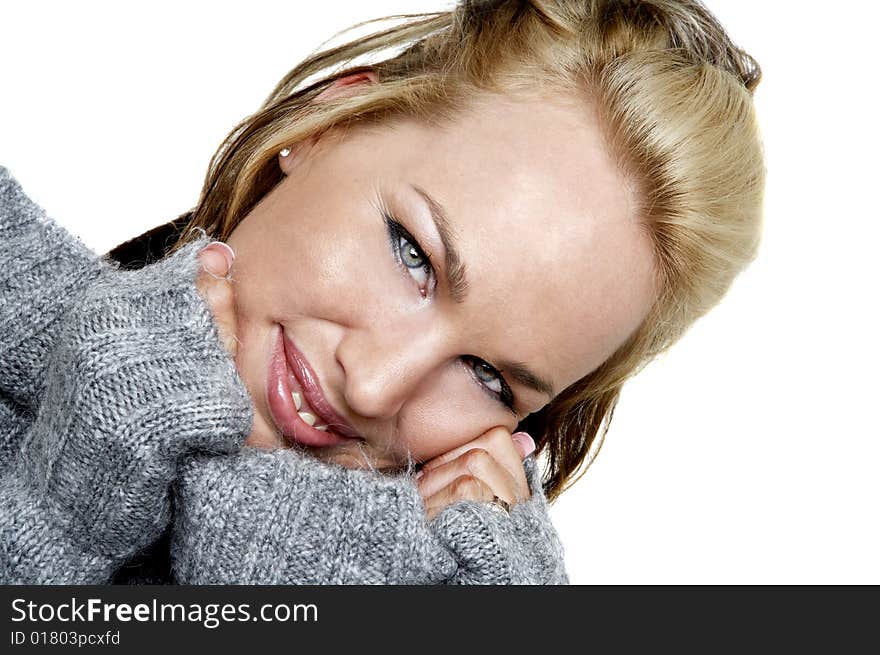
x,y
488,376
412,257
409,254
491,380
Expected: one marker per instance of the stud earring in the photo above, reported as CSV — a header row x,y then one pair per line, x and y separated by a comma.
x,y
285,152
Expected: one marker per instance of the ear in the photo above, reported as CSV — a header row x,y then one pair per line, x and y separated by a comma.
x,y
348,85
342,87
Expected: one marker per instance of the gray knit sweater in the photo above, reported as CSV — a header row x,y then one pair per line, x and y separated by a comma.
x,y
122,420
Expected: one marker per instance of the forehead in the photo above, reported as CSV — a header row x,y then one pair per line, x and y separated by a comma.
x,y
560,272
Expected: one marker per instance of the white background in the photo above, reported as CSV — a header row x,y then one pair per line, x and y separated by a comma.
x,y
748,454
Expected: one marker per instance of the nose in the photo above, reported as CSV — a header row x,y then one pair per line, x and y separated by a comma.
x,y
384,365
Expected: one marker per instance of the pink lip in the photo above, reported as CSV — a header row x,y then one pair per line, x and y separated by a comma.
x,y
288,368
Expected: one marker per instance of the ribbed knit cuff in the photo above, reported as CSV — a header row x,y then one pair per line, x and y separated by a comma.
x,y
281,517
491,547
138,377
43,271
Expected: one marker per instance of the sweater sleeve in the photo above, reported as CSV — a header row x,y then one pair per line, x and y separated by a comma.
x,y
493,547
281,517
43,269
137,378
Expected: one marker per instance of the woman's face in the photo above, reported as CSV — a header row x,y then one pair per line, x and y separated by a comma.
x,y
437,281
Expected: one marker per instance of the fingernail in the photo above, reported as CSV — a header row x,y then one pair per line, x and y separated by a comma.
x,y
225,250
524,442
419,474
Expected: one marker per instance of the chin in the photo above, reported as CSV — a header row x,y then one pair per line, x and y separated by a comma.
x,y
263,436
355,457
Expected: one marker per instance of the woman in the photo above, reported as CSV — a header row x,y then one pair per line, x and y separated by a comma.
x,y
428,259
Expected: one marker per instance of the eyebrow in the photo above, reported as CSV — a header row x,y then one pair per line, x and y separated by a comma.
x,y
522,374
456,271
456,280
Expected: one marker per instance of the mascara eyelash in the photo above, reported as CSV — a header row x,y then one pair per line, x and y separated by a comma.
x,y
396,232
505,396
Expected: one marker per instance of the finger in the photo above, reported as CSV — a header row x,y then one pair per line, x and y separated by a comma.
x,y
220,297
465,487
496,438
481,465
525,445
216,258
499,442
216,288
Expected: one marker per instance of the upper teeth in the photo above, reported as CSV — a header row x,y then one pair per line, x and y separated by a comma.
x,y
308,418
305,416
311,419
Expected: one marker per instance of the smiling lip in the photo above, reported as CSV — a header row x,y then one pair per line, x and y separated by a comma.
x,y
289,369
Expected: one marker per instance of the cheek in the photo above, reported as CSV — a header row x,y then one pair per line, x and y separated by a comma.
x,y
447,415
316,275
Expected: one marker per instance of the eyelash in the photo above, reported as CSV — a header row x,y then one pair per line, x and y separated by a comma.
x,y
505,396
398,233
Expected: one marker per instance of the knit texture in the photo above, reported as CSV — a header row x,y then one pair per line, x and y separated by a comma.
x,y
122,422
281,518
38,283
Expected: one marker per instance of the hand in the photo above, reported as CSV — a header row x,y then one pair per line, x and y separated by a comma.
x,y
137,378
489,547
490,466
214,283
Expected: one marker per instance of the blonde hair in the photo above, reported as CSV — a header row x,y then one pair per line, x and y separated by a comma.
x,y
674,99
